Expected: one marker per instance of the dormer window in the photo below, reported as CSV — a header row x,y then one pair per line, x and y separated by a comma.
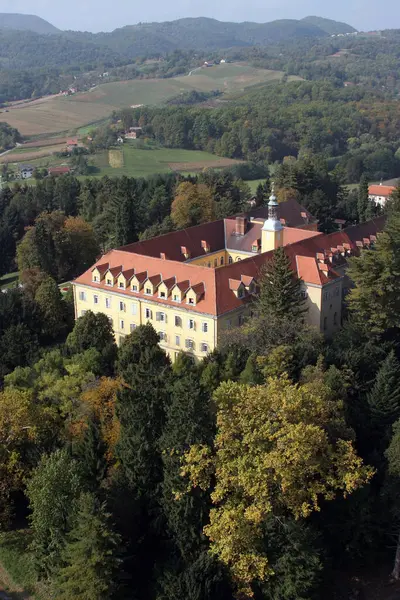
x,y
96,279
205,245
108,281
163,295
191,301
148,291
135,288
240,292
176,298
121,285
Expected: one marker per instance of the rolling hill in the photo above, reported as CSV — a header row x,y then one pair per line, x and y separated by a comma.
x,y
329,26
26,23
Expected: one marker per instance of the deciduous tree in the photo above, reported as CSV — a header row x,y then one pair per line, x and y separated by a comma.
x,y
279,449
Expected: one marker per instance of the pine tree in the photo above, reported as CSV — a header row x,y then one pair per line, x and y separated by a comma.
x,y
363,198
141,405
90,452
384,398
251,375
280,290
90,555
189,421
124,222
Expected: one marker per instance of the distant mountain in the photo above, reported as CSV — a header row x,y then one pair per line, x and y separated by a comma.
x,y
26,23
329,26
210,34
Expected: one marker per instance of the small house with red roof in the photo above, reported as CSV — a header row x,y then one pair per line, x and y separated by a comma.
x,y
380,193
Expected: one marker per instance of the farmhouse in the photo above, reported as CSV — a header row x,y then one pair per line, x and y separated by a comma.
x,y
26,171
195,284
380,193
72,143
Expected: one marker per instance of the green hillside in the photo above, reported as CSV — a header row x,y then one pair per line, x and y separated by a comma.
x,y
26,23
329,26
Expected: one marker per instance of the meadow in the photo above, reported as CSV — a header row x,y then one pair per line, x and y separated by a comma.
x,y
142,162
67,114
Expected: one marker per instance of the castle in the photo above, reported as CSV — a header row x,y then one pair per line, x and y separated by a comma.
x,y
197,283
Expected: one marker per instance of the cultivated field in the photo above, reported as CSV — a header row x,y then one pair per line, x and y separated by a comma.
x,y
60,114
139,162
26,154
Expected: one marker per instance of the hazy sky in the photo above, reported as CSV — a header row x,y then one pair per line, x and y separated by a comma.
x,y
106,15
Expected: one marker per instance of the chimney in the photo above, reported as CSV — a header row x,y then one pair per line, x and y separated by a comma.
x,y
241,225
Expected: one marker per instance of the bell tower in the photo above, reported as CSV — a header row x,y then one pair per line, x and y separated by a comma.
x,y
272,231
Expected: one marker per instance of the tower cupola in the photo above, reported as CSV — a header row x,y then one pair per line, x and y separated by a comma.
x,y
272,231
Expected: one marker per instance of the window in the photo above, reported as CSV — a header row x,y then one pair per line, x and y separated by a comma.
x,y
122,324
95,299
132,327
95,279
204,327
204,347
230,260
335,319
190,301
238,259
215,262
82,296
163,295
176,298
221,262
304,294
135,288
148,313
325,323
121,285
178,321
160,316
122,306
163,336
108,302
240,292
254,248
191,324
148,291
189,344
134,308
177,340
109,281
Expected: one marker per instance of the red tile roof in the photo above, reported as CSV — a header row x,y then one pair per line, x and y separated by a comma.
x,y
59,170
218,297
381,190
171,243
291,211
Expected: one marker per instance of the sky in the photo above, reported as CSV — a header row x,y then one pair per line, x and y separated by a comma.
x,y
106,15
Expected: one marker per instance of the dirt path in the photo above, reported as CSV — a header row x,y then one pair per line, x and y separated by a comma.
x,y
10,591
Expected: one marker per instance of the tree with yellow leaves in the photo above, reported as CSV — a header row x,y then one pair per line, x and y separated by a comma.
x,y
24,425
280,449
193,204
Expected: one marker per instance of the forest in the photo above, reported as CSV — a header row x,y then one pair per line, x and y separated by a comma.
x,y
354,128
32,65
270,470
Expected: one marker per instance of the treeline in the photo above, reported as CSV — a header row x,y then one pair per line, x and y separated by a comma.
x,y
119,211
351,127
260,472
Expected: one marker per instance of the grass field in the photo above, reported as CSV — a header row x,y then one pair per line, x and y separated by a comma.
x,y
60,114
139,162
